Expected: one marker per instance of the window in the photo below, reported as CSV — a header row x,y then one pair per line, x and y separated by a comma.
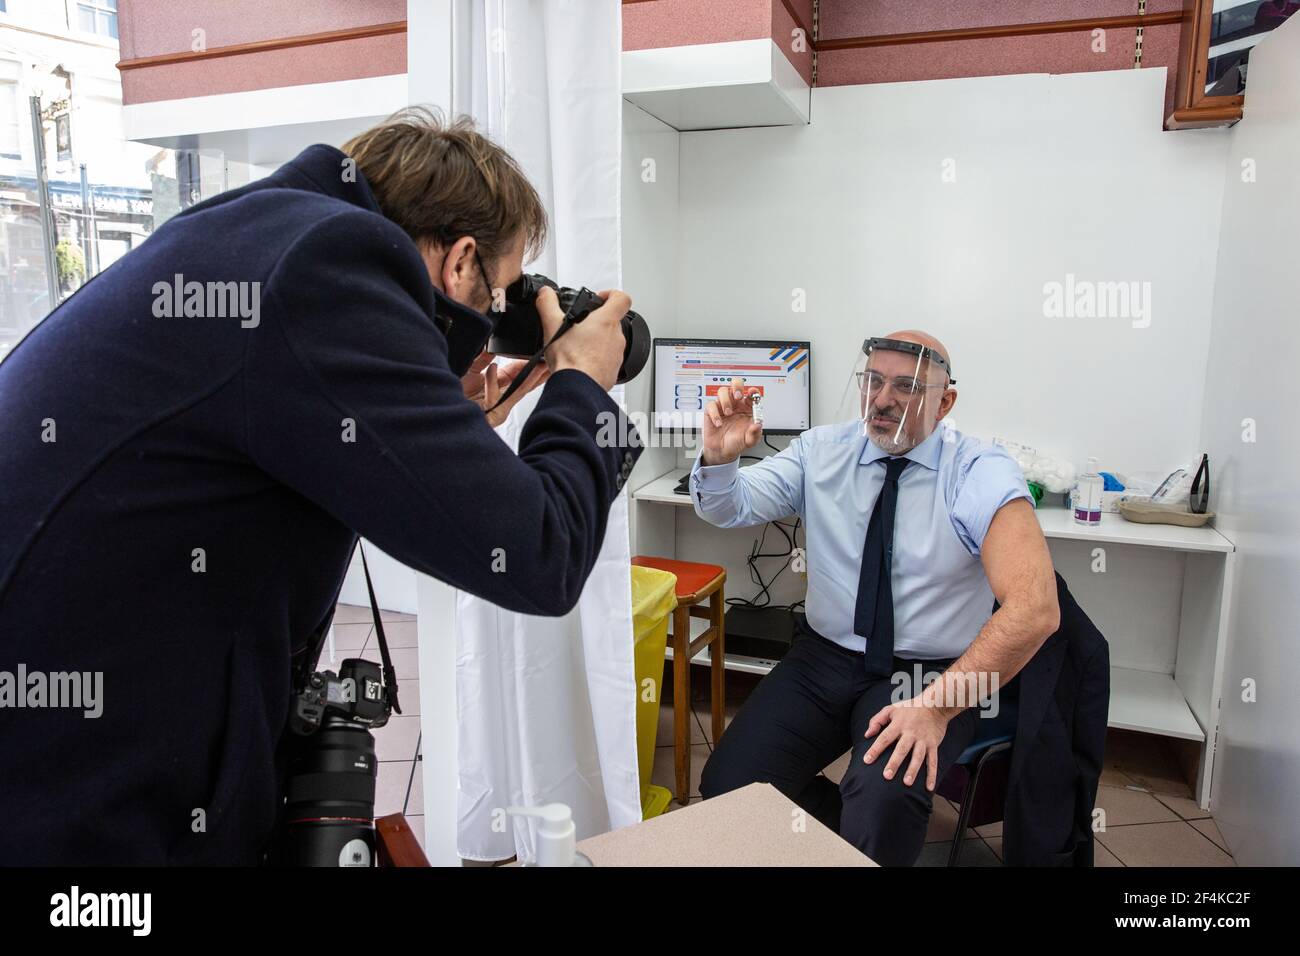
x,y
10,109
1213,57
1235,27
97,16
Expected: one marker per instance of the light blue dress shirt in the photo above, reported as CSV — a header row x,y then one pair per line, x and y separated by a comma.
x,y
831,476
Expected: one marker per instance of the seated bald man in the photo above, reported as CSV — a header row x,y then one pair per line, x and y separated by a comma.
x,y
912,531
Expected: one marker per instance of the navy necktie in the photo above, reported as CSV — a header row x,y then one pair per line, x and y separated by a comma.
x,y
874,616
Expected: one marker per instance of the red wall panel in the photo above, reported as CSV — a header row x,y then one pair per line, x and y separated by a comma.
x,y
155,27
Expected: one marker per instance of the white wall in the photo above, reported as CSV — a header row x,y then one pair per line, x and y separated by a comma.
x,y
650,238
1054,175
1254,352
395,583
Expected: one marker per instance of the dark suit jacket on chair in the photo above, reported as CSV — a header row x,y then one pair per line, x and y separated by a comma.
x,y
1060,739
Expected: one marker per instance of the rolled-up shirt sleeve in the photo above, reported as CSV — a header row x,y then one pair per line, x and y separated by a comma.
x,y
729,496
989,480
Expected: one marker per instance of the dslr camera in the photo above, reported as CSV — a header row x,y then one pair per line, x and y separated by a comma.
x,y
518,331
329,808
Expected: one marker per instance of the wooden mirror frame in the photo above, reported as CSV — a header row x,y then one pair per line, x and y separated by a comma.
x,y
1193,109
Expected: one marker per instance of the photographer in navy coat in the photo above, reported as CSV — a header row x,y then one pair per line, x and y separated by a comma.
x,y
193,441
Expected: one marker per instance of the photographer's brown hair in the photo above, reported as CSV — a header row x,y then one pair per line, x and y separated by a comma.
x,y
441,180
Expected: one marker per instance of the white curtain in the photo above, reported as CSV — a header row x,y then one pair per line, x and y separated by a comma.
x,y
546,706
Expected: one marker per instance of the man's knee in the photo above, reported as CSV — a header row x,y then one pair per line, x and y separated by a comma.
x,y
722,773
885,819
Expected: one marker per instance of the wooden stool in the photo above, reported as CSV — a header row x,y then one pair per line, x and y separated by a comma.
x,y
695,582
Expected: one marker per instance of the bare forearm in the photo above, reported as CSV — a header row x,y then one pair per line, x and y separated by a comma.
x,y
1005,644
1020,574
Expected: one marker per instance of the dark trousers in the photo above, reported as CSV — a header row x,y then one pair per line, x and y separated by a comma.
x,y
813,706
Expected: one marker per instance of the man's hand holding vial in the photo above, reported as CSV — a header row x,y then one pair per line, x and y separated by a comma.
x,y
733,422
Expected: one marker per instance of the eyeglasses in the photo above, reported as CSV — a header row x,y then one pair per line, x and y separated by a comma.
x,y
870,383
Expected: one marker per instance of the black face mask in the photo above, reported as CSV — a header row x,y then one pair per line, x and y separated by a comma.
x,y
467,331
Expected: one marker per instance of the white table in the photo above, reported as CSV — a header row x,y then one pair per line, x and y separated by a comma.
x,y
1183,703
753,826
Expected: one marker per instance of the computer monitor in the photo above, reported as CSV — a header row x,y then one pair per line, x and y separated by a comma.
x,y
689,372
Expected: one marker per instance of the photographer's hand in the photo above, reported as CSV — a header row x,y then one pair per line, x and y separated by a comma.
x,y
729,426
595,345
485,381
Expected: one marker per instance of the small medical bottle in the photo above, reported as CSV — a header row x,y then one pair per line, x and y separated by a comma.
x,y
1087,496
756,407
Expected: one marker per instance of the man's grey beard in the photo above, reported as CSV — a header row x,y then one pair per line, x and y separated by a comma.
x,y
887,444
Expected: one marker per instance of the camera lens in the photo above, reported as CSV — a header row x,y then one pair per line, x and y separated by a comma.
x,y
330,803
636,351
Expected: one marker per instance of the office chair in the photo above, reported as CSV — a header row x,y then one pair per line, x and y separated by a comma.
x,y
977,782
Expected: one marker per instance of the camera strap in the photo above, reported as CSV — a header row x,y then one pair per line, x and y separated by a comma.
x,y
390,676
582,307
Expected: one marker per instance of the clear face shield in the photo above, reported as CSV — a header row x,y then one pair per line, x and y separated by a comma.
x,y
895,390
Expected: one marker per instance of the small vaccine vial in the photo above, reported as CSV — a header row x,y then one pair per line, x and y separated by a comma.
x,y
756,406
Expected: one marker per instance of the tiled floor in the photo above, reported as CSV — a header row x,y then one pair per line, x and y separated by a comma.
x,y
1150,817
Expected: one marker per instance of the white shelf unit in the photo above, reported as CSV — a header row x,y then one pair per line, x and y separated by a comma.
x,y
1183,703
736,83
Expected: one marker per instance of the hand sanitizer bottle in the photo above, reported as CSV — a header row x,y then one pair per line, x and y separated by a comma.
x,y
555,835
1087,496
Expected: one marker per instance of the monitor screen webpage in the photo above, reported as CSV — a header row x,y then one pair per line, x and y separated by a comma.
x,y
689,372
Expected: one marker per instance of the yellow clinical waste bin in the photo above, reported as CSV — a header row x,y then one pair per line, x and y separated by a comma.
x,y
653,599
